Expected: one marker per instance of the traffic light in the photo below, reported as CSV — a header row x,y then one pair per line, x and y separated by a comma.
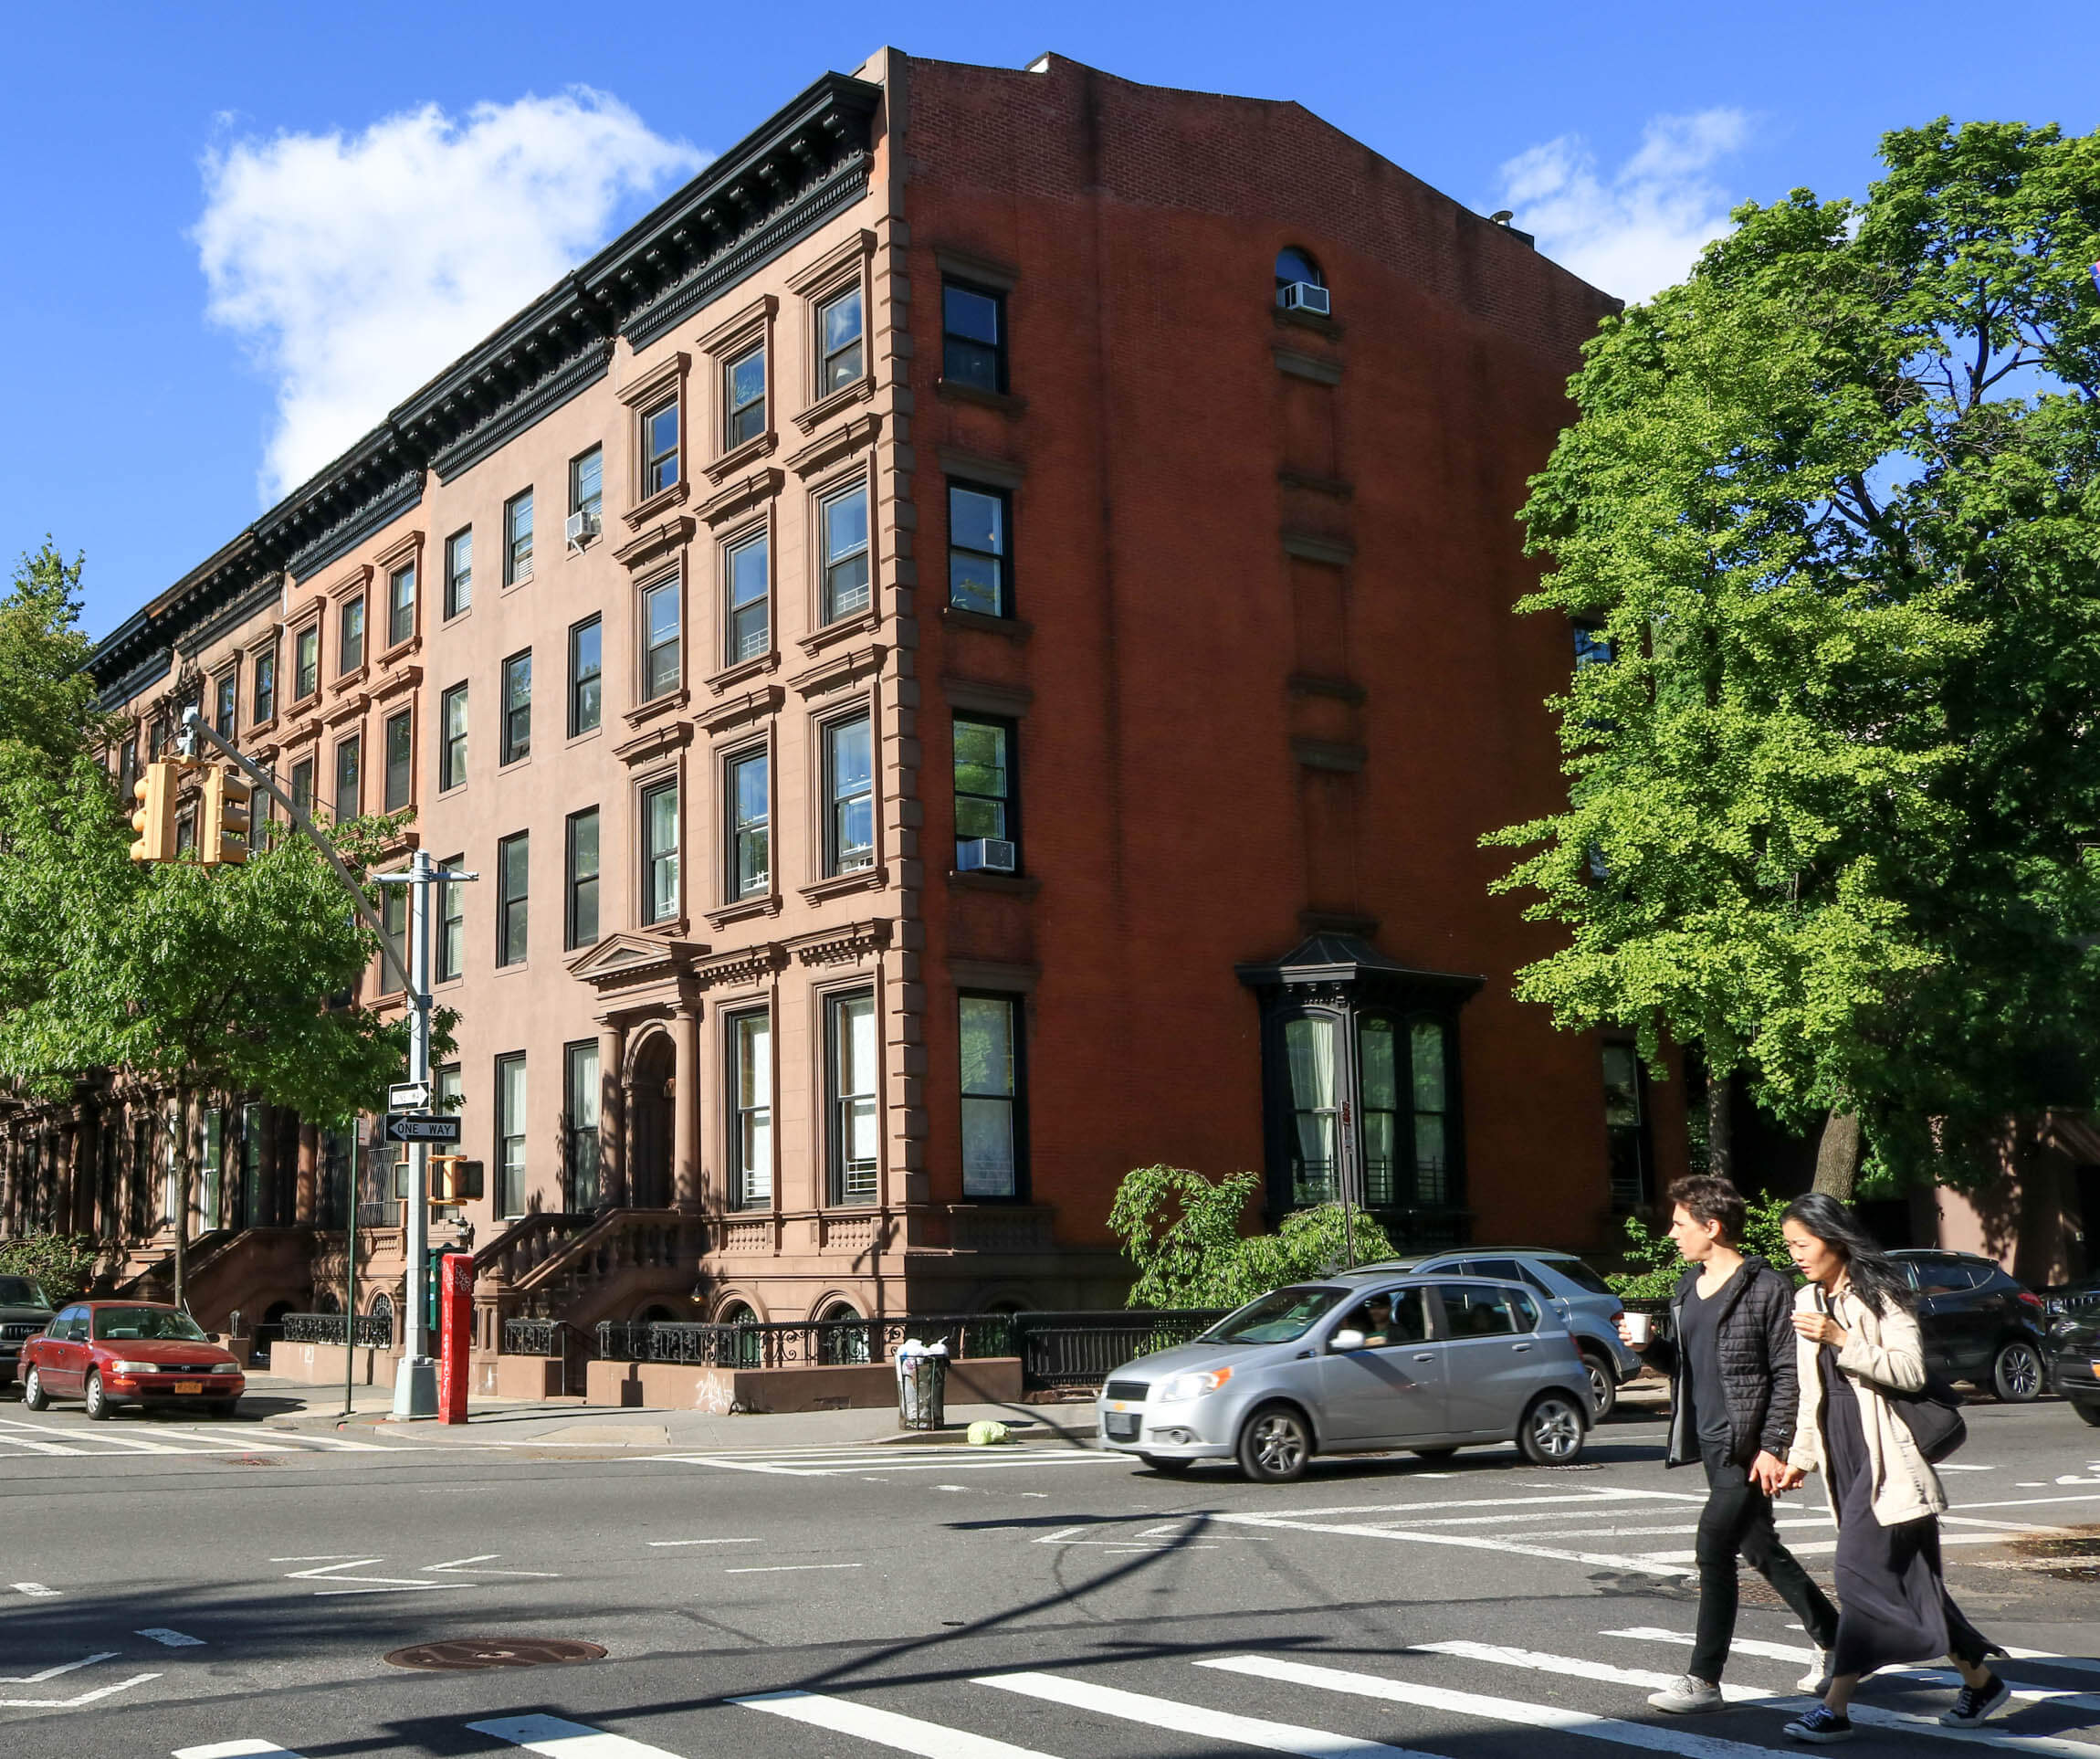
x,y
223,840
454,1179
155,818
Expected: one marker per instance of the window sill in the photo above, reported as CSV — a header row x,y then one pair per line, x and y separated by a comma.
x,y
656,706
842,885
348,680
1015,630
588,734
520,965
1004,402
863,622
1015,885
461,616
825,407
749,452
524,760
662,501
672,927
402,650
758,666
457,789
1311,320
744,910
516,581
263,727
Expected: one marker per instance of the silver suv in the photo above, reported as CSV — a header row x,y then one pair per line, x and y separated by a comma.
x,y
1578,1294
1366,1361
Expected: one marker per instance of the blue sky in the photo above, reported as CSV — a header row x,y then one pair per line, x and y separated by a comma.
x,y
233,231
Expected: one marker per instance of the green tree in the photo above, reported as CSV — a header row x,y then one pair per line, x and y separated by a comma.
x,y
1182,1232
1832,517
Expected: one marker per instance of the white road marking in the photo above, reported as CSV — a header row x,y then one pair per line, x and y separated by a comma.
x,y
38,1447
382,1584
1495,1710
778,1569
863,1465
466,1566
52,1673
560,1740
1648,1564
1961,1466
237,1749
34,1588
1560,1498
1193,1719
885,1728
75,1703
663,1544
172,1639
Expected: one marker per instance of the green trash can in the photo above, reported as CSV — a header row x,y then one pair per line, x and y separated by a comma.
x,y
922,1386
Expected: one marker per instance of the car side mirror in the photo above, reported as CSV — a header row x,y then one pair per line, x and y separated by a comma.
x,y
1346,1341
213,1337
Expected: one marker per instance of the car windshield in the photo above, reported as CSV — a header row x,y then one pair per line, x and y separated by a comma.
x,y
20,1292
147,1324
1276,1318
1578,1273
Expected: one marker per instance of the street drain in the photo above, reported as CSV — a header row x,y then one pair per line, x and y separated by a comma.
x,y
463,1654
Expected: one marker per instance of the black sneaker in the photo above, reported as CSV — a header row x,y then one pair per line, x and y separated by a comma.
x,y
1821,1726
1977,1704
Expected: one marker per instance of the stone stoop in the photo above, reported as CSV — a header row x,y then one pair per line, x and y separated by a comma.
x,y
672,1387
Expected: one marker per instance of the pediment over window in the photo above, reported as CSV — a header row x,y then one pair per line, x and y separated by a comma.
x,y
621,960
1345,962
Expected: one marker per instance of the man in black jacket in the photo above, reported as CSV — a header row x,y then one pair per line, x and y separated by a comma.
x,y
1734,1391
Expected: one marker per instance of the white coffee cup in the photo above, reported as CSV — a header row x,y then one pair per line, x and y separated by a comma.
x,y
1639,1328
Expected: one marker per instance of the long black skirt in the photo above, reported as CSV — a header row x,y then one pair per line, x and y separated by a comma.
x,y
1893,1603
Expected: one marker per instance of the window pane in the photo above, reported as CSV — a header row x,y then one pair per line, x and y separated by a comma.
x,y
840,323
1378,1052
586,667
459,571
587,481
968,314
401,605
580,1125
517,538
583,878
976,548
853,1110
845,587
309,650
752,869
660,621
513,864
400,756
451,756
988,1085
264,687
745,397
516,707
752,1104
451,927
660,449
750,575
849,760
660,856
350,647
510,1135
1425,1047
393,918
348,777
1309,1047
224,708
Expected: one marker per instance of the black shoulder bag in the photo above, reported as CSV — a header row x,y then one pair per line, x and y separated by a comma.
x,y
1932,1413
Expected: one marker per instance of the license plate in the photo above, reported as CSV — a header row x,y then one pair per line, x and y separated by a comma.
x,y
189,1386
1122,1428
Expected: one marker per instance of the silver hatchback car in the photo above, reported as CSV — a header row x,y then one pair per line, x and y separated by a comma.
x,y
1362,1362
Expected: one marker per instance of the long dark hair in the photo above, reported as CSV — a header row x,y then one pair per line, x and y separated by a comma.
x,y
1877,1279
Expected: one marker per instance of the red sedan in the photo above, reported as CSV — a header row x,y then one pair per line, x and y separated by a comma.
x,y
112,1353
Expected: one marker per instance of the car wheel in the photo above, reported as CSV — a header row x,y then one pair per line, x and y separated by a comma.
x,y
2016,1375
2087,1410
1157,1463
33,1392
1603,1386
1552,1431
1274,1446
1437,1455
97,1400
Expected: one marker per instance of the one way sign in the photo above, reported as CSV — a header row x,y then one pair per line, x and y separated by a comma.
x,y
420,1127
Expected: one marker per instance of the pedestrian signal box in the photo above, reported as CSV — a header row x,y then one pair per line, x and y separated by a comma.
x,y
224,841
454,1179
155,819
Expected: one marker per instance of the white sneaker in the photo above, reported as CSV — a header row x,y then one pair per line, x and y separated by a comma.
x,y
1689,1694
1817,1679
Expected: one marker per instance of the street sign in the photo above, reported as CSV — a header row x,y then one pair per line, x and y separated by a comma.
x,y
408,1096
409,1127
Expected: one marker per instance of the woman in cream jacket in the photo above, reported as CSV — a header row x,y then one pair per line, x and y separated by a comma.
x,y
1857,1343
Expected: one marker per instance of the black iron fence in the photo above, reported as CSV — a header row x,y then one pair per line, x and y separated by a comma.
x,y
1081,1349
374,1331
556,1341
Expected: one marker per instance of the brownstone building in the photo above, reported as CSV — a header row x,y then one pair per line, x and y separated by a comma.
x,y
971,651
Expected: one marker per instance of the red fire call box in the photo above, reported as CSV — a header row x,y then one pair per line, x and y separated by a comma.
x,y
454,1334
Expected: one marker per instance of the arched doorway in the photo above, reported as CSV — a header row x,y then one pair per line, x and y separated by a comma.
x,y
650,1108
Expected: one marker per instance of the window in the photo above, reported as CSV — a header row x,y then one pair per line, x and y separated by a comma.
x,y
400,745
749,568
306,660
348,778
845,523
849,1078
518,539
459,571
1479,1311
518,706
510,1135
1378,1054
225,703
744,398
973,336
659,638
185,829
302,784
1593,647
452,738
401,605
211,1169
1294,265
752,1109
587,485
750,862
849,788
350,636
393,919
1626,1127
264,687
581,913
985,784
839,333
1394,1316
977,550
579,1124
451,925
659,448
660,853
586,674
513,875
1309,1048
1432,1101
991,1096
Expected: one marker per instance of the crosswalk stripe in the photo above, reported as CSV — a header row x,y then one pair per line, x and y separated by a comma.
x,y
838,1468
1193,1719
558,1738
38,1447
1872,1715
236,1749
1495,1710
1646,1563
885,1728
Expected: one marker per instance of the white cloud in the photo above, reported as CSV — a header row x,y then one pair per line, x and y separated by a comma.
x,y
357,266
1641,228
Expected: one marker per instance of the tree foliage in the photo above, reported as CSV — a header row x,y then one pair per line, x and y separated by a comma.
x,y
1182,1232
63,1265
1832,512
1656,1265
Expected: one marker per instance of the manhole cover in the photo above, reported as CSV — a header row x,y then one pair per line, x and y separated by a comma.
x,y
461,1654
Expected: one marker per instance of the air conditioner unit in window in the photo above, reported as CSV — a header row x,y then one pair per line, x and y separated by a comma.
x,y
993,854
582,527
1303,296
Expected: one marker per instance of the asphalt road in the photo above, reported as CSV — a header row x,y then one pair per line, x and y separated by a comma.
x,y
209,1590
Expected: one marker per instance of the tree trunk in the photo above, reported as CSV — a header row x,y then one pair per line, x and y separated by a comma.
x,y
182,1183
1720,1144
1837,1155
2035,1257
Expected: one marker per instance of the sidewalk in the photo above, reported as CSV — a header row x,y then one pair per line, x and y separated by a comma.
x,y
296,1407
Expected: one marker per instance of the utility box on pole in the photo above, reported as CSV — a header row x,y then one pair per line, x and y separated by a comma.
x,y
455,1335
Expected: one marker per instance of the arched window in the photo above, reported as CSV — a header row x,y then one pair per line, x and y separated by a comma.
x,y
845,1336
747,1351
1295,268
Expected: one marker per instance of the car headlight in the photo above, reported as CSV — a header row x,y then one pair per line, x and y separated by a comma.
x,y
1187,1386
135,1368
226,1368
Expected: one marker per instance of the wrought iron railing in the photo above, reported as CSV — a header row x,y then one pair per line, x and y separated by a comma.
x,y
1081,1349
374,1331
800,1344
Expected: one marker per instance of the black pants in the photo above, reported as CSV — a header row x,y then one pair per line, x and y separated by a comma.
x,y
1737,1522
